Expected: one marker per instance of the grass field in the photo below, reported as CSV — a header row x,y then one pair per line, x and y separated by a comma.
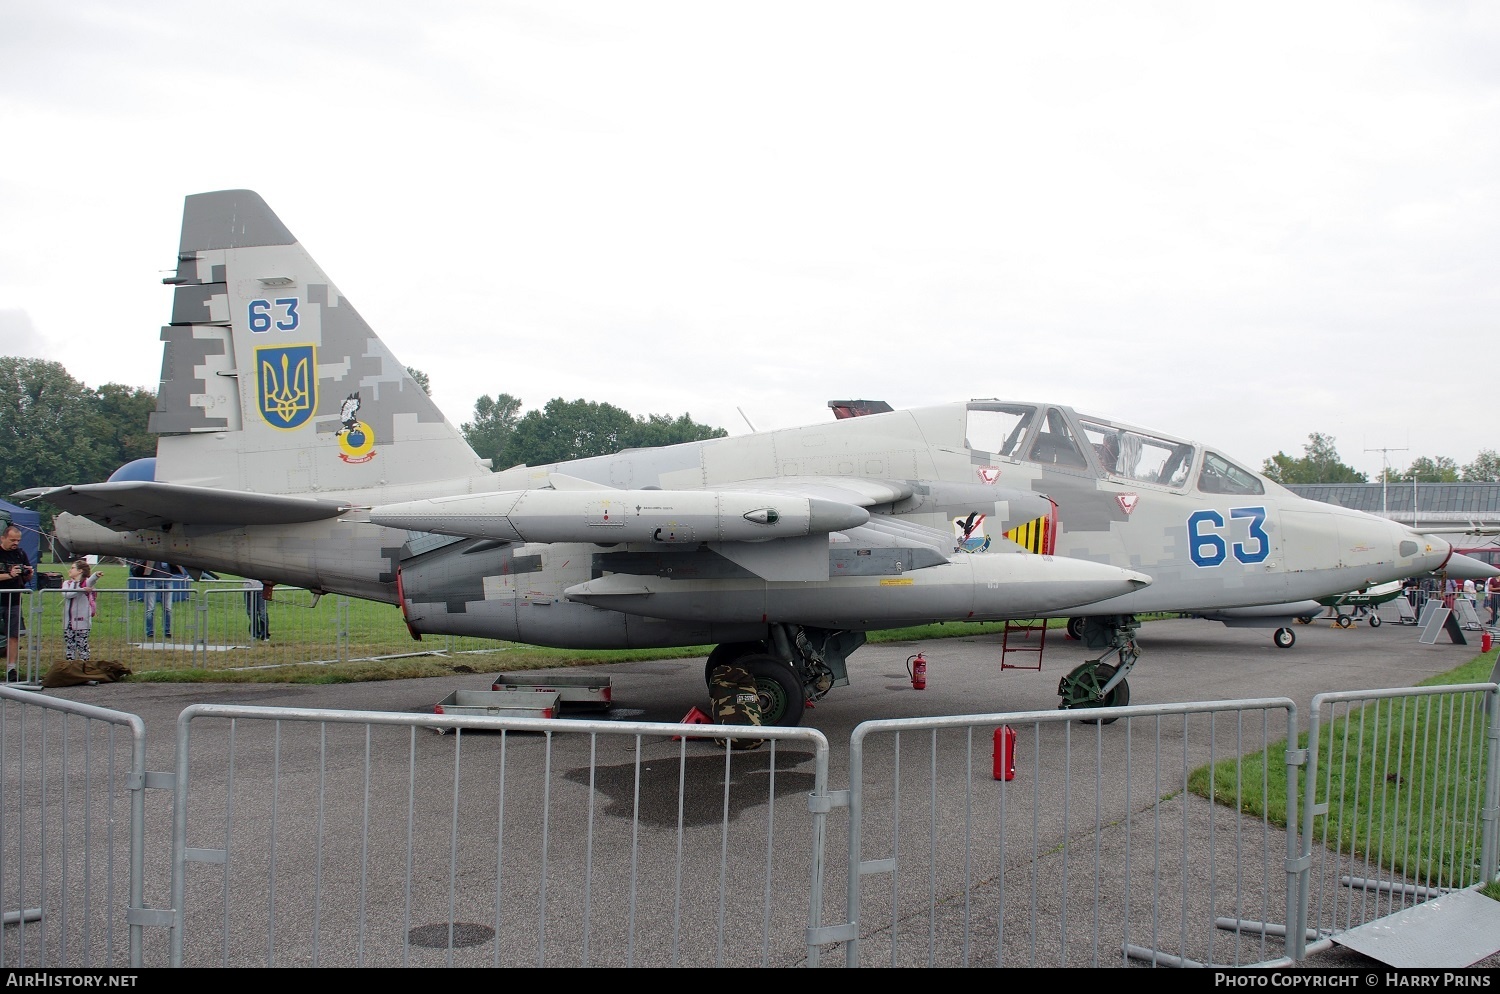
x,y
1373,761
325,640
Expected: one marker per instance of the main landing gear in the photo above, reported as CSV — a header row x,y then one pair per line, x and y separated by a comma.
x,y
792,667
1097,684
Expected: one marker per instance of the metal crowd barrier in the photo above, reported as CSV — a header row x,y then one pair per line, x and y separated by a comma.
x,y
1070,846
212,627
72,833
1434,787
366,839
1173,835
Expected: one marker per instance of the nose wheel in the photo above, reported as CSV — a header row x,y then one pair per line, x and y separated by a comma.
x,y
1083,688
1284,638
1089,685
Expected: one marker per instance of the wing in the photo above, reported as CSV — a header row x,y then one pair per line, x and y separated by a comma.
x,y
776,528
128,505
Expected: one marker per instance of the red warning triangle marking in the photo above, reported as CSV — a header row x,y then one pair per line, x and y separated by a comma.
x,y
1127,501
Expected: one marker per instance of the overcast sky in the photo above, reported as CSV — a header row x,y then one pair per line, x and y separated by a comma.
x,y
1239,223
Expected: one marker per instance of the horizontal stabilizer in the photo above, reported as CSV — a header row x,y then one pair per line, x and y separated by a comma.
x,y
130,504
608,517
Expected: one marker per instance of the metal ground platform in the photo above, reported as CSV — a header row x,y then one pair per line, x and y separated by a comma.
x,y
1455,930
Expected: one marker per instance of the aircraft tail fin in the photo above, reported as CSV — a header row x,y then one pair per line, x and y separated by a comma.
x,y
272,382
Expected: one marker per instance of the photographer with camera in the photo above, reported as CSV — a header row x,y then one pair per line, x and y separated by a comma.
x,y
15,574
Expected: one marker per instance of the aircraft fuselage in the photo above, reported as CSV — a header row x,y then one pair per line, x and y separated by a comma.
x,y
1202,551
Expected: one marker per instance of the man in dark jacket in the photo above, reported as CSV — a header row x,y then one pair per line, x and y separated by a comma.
x,y
15,574
156,577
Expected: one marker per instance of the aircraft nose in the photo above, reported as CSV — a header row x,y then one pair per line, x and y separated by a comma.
x,y
1388,549
1462,567
1428,552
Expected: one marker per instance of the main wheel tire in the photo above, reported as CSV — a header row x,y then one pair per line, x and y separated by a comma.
x,y
1374,621
1075,629
1284,638
781,696
1305,619
1117,698
728,652
1345,621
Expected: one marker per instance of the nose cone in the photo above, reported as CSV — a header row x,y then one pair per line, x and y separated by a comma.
x,y
1462,567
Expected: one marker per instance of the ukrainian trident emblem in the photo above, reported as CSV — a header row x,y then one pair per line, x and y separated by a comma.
x,y
288,381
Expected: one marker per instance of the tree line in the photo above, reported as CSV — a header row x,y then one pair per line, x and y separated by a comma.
x,y
565,430
1320,463
54,430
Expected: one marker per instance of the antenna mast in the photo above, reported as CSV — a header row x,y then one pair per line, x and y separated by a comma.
x,y
1385,472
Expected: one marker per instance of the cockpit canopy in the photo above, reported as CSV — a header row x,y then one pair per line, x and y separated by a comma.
x,y
1058,436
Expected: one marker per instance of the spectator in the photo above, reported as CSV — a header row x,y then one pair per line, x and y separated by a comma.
x,y
156,583
257,593
15,572
1492,600
78,609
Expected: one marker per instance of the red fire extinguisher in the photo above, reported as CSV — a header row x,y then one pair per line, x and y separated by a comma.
x,y
1485,641
1005,753
917,667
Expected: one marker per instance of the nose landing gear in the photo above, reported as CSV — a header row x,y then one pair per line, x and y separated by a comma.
x,y
1096,684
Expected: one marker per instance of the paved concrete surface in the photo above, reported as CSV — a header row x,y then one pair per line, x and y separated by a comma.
x,y
1184,660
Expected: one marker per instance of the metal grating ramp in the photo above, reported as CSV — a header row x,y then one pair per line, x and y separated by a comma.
x,y
1455,930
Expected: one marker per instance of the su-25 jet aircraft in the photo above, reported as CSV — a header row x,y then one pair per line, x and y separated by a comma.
x,y
293,447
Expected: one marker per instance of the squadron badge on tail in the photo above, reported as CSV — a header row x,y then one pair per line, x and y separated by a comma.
x,y
356,440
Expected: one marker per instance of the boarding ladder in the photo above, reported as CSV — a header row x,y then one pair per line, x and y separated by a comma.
x,y
1038,535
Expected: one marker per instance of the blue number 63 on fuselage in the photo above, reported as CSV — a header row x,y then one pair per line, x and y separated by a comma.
x,y
1208,547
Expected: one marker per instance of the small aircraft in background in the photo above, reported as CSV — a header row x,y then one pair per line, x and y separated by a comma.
x,y
1356,605
295,448
1365,602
